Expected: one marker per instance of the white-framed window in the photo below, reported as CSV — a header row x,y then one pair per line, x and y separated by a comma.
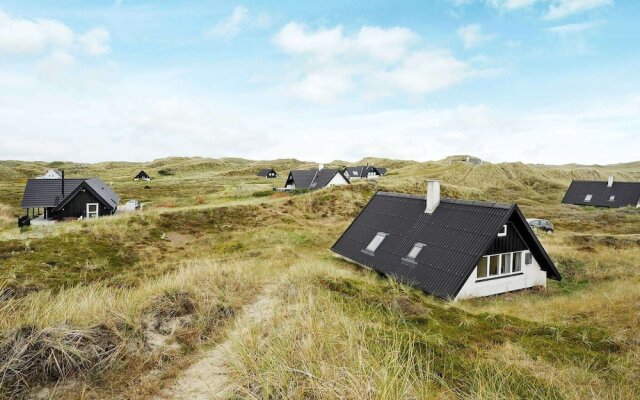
x,y
587,198
417,248
496,265
376,241
503,231
92,210
612,198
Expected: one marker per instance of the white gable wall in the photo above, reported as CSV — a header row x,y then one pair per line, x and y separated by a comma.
x,y
337,180
532,276
51,174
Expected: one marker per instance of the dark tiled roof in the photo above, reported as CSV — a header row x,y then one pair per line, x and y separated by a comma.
x,y
323,177
382,171
360,171
48,192
626,194
265,172
314,179
141,175
103,190
456,235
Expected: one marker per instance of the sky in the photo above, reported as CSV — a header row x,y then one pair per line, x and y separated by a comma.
x,y
537,81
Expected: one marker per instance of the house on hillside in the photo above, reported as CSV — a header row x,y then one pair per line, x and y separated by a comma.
x,y
51,174
382,171
142,176
268,173
450,248
315,179
57,199
466,159
362,172
603,194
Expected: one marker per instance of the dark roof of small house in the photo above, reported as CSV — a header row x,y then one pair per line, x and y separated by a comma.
x,y
360,171
456,235
626,193
48,192
313,179
266,171
142,174
382,171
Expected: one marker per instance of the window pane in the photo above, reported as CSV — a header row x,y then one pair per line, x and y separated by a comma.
x,y
506,264
415,251
528,259
376,241
517,262
493,265
482,268
588,198
503,231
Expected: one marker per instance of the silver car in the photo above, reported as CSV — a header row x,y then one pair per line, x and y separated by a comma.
x,y
542,224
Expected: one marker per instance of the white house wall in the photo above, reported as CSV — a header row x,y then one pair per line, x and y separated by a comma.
x,y
532,276
337,180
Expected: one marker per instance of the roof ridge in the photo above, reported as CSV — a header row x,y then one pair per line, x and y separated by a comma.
x,y
450,200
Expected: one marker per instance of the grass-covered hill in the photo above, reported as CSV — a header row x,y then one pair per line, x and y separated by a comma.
x,y
219,273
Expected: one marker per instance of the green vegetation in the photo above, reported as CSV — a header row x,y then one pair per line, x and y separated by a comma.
x,y
118,307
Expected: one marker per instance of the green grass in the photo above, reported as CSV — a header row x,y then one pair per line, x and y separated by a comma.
x,y
212,235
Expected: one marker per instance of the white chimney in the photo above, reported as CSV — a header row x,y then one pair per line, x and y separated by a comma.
x,y
610,182
433,195
320,167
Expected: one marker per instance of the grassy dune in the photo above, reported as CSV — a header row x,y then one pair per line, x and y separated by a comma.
x,y
116,308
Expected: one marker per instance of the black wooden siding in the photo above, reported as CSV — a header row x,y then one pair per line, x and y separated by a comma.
x,y
77,206
512,242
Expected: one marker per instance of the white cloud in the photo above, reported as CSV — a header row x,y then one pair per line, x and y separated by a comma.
x,y
374,61
23,36
473,36
557,8
385,44
427,71
511,4
322,87
95,42
230,26
294,38
562,8
575,28
239,19
55,65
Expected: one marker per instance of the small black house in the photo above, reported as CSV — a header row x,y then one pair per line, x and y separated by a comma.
x,y
603,194
142,176
362,172
268,173
69,198
315,179
450,248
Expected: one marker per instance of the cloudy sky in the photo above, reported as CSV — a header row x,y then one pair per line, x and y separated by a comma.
x,y
546,81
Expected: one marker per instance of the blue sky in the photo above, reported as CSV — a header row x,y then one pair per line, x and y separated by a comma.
x,y
547,81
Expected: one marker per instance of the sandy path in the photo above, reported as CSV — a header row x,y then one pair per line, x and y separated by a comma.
x,y
207,378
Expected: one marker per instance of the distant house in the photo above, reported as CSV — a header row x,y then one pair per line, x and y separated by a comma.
x,y
603,194
450,248
268,173
51,174
142,176
69,198
315,179
382,171
362,172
